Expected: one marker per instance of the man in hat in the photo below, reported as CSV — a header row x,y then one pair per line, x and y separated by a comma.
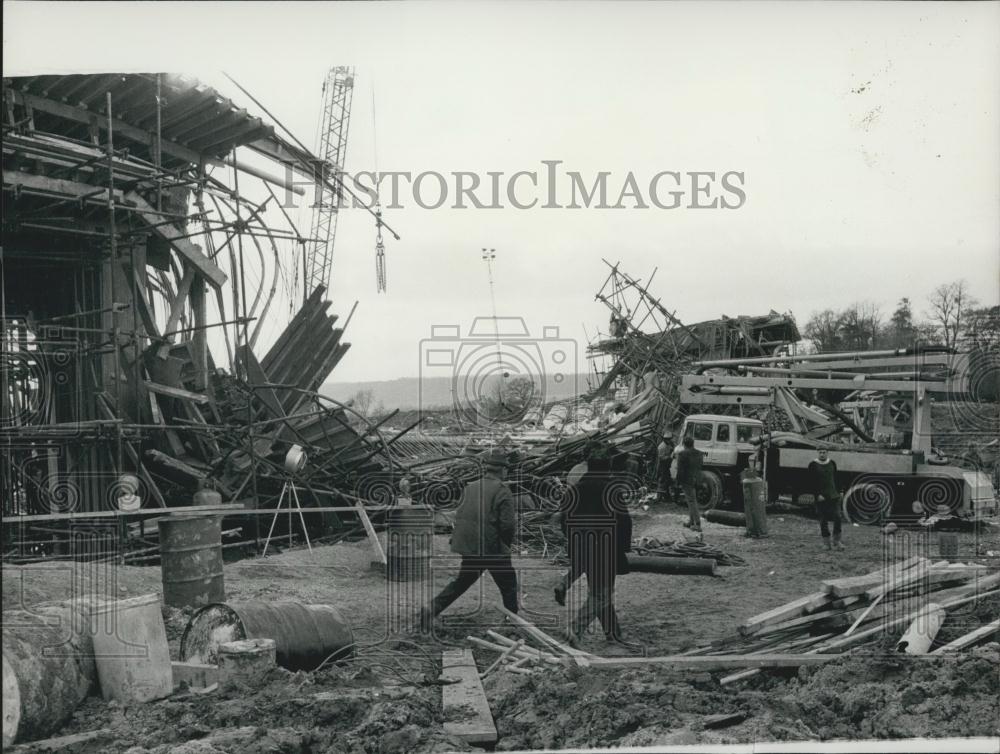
x,y
484,531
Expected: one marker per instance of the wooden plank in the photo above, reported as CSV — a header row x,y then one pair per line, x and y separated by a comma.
x,y
221,508
855,638
715,662
121,128
852,585
258,377
372,536
191,253
175,392
71,742
970,638
782,613
194,674
177,305
920,577
465,696
537,634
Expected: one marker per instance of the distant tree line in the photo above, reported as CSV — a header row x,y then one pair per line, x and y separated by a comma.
x,y
952,317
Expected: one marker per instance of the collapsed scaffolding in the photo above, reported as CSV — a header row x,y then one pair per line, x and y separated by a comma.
x,y
137,225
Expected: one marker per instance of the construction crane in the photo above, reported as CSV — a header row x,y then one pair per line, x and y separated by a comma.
x,y
335,119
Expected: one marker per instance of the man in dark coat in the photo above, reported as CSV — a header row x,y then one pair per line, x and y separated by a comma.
x,y
599,534
664,457
483,533
824,478
688,477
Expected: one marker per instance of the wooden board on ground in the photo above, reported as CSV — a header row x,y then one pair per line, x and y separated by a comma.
x,y
465,699
63,743
705,663
782,613
852,585
553,645
970,638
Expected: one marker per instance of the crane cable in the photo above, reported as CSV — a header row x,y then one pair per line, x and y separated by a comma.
x,y
380,281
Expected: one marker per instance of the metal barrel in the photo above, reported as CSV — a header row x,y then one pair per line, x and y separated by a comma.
x,y
191,560
410,541
304,635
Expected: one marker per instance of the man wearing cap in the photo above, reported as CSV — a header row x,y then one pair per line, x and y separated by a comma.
x,y
484,531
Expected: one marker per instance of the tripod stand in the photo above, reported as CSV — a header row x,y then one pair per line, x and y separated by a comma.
x,y
288,489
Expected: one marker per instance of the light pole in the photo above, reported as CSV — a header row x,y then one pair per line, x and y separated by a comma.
x,y
488,256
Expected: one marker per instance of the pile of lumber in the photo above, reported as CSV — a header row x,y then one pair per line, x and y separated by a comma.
x,y
915,595
519,657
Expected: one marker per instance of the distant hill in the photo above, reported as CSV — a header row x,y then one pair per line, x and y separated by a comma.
x,y
434,392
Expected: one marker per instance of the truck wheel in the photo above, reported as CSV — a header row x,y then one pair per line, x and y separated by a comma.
x,y
867,503
710,491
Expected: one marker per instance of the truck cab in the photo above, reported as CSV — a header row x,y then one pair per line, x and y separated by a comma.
x,y
726,442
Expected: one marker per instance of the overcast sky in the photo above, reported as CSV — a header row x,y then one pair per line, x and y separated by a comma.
x,y
867,135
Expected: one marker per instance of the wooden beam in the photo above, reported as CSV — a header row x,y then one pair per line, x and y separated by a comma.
x,y
852,585
720,662
529,628
370,531
121,128
786,612
177,305
59,187
970,638
199,340
462,697
221,508
191,253
175,392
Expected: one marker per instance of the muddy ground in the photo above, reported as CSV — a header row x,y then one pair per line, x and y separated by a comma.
x,y
867,696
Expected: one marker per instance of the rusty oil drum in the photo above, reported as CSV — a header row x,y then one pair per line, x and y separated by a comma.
x,y
191,560
304,635
409,540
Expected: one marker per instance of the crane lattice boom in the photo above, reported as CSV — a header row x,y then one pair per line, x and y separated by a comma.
x,y
335,119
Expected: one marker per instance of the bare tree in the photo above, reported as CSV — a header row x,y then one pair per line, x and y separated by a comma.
x,y
949,307
823,329
362,402
983,326
505,397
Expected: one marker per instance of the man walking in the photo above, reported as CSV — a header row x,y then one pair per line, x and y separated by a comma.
x,y
484,531
559,519
599,534
688,476
824,476
664,457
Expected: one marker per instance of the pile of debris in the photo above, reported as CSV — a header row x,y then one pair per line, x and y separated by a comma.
x,y
915,596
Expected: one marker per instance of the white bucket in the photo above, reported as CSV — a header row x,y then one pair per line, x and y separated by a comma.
x,y
131,650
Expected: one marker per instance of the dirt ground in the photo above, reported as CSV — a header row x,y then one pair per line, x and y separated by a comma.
x,y
868,696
